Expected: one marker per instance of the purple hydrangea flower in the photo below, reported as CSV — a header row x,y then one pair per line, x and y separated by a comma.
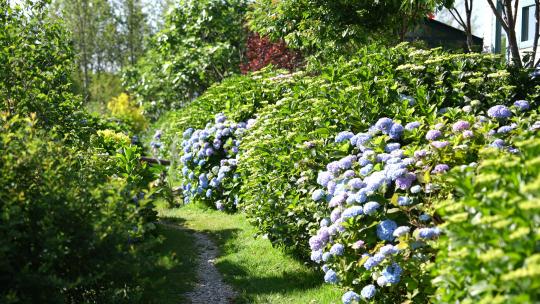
x,y
460,125
499,112
404,201
349,174
333,167
498,143
404,182
440,144
522,105
440,168
337,249
388,250
412,125
346,162
343,136
324,178
433,134
420,153
335,215
356,183
316,256
391,147
506,129
468,134
358,244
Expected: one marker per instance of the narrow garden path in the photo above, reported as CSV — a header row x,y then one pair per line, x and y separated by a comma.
x,y
231,266
210,287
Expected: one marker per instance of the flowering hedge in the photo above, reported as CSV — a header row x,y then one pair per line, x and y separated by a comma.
x,y
492,226
327,174
380,198
209,163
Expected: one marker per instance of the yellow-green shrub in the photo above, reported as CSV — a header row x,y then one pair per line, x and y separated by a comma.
x,y
123,108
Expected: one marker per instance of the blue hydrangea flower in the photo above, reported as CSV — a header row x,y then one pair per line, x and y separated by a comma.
x,y
424,217
325,222
389,249
401,231
316,243
350,297
333,167
396,131
326,256
335,215
392,273
356,183
337,249
349,174
352,212
366,169
346,162
506,129
498,143
404,182
331,277
384,124
429,233
385,229
368,291
522,105
404,201
317,195
338,200
391,147
433,135
467,134
499,112
343,136
316,256
324,178
371,207
412,125
209,193
416,189
373,261
420,153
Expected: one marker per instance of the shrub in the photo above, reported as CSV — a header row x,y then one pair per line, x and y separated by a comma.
x,y
123,108
381,224
71,229
490,251
209,163
260,52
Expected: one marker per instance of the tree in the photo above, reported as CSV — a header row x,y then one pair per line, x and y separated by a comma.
x,y
464,20
506,13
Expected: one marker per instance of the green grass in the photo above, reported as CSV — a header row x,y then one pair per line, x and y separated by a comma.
x,y
176,273
258,272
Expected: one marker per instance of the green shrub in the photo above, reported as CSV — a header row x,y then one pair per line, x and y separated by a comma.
x,y
74,226
490,252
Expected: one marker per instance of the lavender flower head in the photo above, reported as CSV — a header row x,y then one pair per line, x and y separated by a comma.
x,y
368,291
350,297
460,125
385,229
440,144
412,125
343,136
498,143
433,134
522,105
499,112
440,168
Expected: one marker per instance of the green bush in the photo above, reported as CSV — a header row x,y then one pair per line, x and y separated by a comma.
x,y
490,252
202,43
74,226
36,62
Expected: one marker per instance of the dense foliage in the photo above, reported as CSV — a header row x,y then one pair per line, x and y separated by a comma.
x,y
76,203
124,108
36,65
260,52
201,43
498,202
444,107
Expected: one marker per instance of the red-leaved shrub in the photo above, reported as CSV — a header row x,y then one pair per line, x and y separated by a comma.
x,y
261,51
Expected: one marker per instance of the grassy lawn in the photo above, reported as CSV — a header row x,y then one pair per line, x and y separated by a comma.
x,y
176,273
260,273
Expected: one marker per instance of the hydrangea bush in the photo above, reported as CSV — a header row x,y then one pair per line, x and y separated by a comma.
x,y
381,224
490,250
209,163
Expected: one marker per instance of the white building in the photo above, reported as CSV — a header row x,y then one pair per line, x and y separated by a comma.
x,y
486,25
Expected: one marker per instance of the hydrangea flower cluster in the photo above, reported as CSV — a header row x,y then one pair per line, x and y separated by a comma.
x,y
209,162
376,196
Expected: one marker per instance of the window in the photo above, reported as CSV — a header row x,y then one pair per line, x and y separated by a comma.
x,y
528,22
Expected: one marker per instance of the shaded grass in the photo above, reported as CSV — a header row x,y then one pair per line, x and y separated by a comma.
x,y
176,273
258,272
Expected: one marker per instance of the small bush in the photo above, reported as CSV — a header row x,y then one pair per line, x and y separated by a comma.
x,y
123,108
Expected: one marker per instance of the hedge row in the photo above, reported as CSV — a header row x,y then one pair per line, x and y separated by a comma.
x,y
293,138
